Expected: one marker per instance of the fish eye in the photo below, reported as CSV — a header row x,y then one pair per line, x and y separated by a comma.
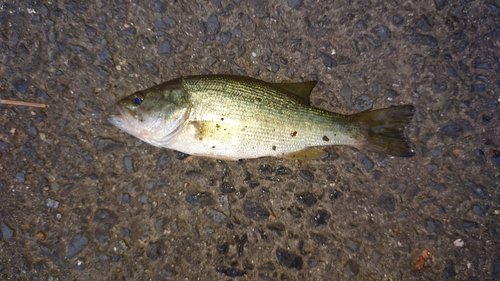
x,y
137,99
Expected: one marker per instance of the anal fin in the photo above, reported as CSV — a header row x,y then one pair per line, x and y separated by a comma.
x,y
308,153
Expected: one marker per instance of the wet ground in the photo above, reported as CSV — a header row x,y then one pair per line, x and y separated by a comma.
x,y
81,200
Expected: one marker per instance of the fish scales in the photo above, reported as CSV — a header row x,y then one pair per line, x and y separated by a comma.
x,y
272,129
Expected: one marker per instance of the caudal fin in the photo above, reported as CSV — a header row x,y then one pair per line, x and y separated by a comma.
x,y
383,130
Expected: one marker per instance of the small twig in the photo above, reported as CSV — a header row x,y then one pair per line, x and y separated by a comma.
x,y
23,103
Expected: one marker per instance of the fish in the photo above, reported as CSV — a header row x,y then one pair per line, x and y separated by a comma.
x,y
231,117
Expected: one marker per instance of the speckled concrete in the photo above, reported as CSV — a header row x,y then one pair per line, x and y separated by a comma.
x,y
81,200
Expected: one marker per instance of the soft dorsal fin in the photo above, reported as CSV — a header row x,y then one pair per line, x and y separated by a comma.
x,y
300,90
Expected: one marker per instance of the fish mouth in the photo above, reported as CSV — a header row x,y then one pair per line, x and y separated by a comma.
x,y
122,121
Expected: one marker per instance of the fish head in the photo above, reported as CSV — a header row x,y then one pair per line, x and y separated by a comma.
x,y
154,115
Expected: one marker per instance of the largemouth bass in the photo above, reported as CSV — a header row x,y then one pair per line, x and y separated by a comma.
x,y
234,117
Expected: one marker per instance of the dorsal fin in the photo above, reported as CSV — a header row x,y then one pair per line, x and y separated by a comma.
x,y
300,90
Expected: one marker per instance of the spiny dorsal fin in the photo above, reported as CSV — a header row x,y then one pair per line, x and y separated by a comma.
x,y
300,90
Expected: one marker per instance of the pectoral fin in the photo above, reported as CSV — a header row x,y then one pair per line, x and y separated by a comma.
x,y
308,153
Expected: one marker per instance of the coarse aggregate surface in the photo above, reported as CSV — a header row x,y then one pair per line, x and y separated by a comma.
x,y
81,200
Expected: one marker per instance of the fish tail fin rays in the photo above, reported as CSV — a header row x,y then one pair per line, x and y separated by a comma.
x,y
383,130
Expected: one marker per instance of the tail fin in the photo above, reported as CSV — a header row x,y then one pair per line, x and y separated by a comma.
x,y
384,130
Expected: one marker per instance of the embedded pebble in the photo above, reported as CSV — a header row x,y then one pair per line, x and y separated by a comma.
x,y
20,176
449,270
43,94
266,266
43,9
495,158
131,31
223,248
451,71
280,171
327,60
125,198
477,190
478,88
351,244
383,32
346,93
386,201
50,203
295,4
440,4
277,227
479,210
265,169
422,39
151,67
307,175
77,243
90,30
213,24
295,211
229,271
226,187
423,24
390,94
436,185
7,232
363,102
451,129
109,145
366,163
104,216
78,49
306,198
275,67
129,164
468,224
255,210
336,194
397,20
433,225
320,217
200,199
21,85
225,37
216,216
154,251
181,155
288,259
320,239
164,47
32,155
352,267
